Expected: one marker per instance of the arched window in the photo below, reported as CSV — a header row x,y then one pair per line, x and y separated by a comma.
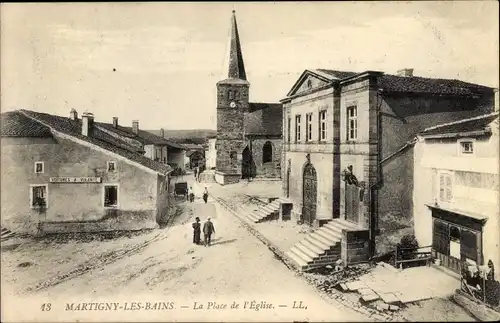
x,y
267,152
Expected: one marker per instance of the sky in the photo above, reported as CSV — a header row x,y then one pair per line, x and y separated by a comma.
x,y
159,62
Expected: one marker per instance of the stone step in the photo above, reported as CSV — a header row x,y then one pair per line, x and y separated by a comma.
x,y
333,228
318,243
301,263
262,213
328,235
268,209
306,250
253,218
301,254
312,247
344,224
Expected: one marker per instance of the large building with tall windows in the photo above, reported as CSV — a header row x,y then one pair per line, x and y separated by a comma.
x,y
347,144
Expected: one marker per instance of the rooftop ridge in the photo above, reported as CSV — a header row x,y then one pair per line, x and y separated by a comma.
x,y
461,121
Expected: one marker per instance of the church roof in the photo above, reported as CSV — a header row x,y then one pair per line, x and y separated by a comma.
x,y
266,119
236,65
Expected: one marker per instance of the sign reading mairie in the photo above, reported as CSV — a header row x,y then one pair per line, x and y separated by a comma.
x,y
75,179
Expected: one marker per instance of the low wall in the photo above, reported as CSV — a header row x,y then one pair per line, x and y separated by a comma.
x,y
476,308
355,247
125,221
227,178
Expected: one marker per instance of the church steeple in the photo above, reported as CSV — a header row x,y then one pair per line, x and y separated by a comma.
x,y
236,65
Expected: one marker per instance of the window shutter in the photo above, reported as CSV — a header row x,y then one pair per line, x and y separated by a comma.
x,y
449,193
440,239
469,245
441,187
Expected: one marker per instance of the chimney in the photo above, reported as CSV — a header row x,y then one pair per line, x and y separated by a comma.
x,y
115,122
135,126
87,124
162,133
73,115
406,72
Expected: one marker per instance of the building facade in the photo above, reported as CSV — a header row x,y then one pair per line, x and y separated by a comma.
x,y
248,142
456,193
347,143
65,175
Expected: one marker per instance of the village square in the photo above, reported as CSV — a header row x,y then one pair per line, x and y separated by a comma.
x,y
361,195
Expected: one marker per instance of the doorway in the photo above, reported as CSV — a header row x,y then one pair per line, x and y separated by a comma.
x,y
309,194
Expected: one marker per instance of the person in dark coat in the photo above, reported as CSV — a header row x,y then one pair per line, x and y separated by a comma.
x,y
208,230
205,195
195,172
197,231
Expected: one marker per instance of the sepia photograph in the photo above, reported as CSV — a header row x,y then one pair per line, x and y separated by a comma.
x,y
250,161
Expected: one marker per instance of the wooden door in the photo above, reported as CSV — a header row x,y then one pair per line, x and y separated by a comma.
x,y
351,203
309,194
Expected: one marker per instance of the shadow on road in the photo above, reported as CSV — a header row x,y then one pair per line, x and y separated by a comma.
x,y
217,242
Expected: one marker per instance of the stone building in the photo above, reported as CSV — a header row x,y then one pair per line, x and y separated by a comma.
x,y
63,174
456,193
347,143
154,147
248,140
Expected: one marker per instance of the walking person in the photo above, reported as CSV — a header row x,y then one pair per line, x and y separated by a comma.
x,y
190,194
197,231
208,230
195,173
205,195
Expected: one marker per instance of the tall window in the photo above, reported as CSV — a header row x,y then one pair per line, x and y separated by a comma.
x,y
231,95
309,118
445,187
352,123
158,154
322,125
297,128
38,196
111,195
289,135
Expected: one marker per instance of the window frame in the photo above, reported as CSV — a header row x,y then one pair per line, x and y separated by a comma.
x,y
309,128
298,121
117,195
460,150
43,167
452,184
109,163
321,123
46,197
289,133
350,118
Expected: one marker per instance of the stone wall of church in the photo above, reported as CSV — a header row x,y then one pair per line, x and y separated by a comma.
x,y
268,169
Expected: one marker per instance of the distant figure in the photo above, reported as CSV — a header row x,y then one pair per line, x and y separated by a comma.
x,y
190,195
199,171
197,231
205,195
195,173
208,230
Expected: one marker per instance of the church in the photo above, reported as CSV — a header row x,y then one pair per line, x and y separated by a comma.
x,y
249,135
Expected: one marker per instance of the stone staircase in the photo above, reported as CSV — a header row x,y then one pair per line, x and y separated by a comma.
x,y
321,247
265,212
7,234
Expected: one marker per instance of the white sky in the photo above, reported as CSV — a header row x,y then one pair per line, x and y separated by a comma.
x,y
168,56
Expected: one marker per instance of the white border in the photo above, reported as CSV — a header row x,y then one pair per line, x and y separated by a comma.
x,y
31,195
117,206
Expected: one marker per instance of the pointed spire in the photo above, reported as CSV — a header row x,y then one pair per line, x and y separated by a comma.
x,y
236,66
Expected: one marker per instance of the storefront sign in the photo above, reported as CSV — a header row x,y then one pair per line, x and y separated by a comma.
x,y
75,179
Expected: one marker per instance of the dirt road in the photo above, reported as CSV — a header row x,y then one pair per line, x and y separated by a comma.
x,y
173,272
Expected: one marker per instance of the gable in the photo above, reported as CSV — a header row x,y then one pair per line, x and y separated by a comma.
x,y
308,81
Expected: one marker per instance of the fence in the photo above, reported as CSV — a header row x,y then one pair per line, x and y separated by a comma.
x,y
408,256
